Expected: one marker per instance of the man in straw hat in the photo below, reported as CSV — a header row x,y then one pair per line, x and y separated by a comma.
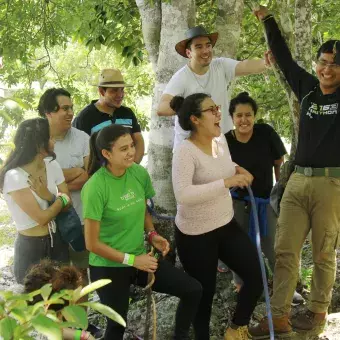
x,y
108,110
204,74
311,198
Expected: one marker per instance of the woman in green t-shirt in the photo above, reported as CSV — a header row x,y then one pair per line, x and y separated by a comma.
x,y
115,214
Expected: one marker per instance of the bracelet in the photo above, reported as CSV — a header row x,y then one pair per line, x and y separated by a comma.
x,y
129,259
63,200
84,335
77,334
151,234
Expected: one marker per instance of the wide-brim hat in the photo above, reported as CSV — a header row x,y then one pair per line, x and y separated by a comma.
x,y
197,31
111,77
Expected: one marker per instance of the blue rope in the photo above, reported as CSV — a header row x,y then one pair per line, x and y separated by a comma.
x,y
258,247
151,210
263,270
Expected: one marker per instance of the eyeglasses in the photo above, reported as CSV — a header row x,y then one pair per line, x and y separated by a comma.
x,y
65,108
323,63
214,109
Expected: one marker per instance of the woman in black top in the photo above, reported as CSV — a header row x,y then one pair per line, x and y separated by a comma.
x,y
259,149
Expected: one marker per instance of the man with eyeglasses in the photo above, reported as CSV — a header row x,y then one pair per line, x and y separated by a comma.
x,y
311,200
203,74
72,153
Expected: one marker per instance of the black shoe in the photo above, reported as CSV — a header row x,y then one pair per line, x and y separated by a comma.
x,y
95,331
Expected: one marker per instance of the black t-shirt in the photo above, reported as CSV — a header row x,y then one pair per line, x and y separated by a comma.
x,y
258,156
319,127
90,119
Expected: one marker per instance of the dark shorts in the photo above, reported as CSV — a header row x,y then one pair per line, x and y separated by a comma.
x,y
30,250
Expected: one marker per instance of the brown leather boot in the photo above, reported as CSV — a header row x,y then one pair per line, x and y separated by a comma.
x,y
307,321
281,324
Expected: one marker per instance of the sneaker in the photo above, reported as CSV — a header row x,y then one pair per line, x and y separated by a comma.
x,y
297,299
281,325
237,333
307,320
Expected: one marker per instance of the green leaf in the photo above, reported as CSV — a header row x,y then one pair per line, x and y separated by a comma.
x,y
76,314
105,310
19,314
16,304
48,327
92,287
46,291
76,294
69,325
65,294
5,294
7,326
37,306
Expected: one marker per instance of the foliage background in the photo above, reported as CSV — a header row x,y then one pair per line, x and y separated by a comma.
x,y
65,43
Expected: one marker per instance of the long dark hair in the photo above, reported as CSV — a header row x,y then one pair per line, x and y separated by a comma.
x,y
187,107
103,140
31,136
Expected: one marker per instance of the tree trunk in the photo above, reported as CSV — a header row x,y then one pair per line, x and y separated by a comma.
x,y
303,54
228,25
164,25
299,38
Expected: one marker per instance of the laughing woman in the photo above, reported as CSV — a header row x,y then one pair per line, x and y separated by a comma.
x,y
114,209
206,231
30,183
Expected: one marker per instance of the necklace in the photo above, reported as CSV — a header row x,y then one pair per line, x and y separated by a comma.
x,y
203,87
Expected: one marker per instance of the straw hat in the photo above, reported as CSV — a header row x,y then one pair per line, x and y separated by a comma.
x,y
197,31
110,77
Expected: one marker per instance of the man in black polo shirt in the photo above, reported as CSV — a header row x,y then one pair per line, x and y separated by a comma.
x,y
311,200
108,110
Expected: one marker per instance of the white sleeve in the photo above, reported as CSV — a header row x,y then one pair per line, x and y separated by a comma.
x,y
15,180
229,66
175,86
57,172
86,141
183,168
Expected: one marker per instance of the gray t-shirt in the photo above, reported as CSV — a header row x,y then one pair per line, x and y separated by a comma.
x,y
70,153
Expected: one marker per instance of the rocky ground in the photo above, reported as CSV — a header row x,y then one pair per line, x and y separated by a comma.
x,y
224,301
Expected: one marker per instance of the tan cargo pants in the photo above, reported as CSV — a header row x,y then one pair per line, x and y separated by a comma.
x,y
308,203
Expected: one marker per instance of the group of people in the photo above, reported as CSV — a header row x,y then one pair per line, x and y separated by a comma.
x,y
93,165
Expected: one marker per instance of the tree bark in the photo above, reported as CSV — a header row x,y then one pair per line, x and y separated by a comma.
x,y
228,25
173,19
298,36
151,26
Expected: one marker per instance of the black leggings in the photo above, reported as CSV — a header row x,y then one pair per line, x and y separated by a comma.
x,y
168,280
199,255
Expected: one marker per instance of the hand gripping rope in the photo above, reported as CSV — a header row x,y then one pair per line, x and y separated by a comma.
x,y
258,247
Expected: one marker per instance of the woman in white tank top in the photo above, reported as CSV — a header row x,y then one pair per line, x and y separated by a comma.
x,y
35,191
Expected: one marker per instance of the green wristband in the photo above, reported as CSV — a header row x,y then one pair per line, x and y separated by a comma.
x,y
131,260
63,201
77,333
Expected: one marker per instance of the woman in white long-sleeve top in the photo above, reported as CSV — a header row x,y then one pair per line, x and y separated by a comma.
x,y
206,231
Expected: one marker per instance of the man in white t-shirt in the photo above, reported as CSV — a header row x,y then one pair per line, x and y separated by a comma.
x,y
204,74
72,149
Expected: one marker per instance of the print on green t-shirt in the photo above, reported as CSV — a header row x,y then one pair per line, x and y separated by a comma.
x,y
119,204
